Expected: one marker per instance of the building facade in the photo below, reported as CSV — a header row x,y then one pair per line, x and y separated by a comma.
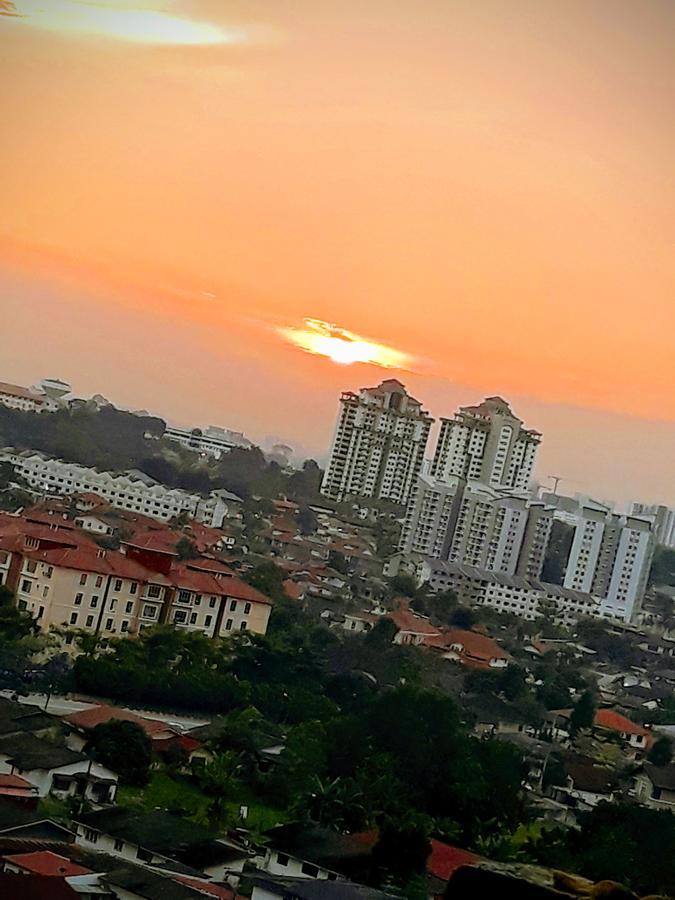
x,y
378,446
486,443
212,440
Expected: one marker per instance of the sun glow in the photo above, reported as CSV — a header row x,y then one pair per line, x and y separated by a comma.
x,y
121,20
344,347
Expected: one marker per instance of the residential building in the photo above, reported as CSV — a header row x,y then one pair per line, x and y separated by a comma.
x,y
378,446
486,443
477,525
655,786
663,518
524,597
212,440
133,490
14,396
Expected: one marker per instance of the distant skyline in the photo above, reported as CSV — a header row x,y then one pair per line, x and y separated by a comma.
x,y
213,209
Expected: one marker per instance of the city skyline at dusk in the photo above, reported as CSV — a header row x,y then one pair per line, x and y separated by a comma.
x,y
228,213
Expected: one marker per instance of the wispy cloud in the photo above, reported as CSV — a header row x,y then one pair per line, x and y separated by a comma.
x,y
139,22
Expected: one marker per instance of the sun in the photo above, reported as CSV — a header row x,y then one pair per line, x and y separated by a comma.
x,y
342,346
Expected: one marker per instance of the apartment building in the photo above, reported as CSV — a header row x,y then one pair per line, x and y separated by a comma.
x,y
379,443
663,518
477,525
66,581
610,557
523,597
133,490
486,443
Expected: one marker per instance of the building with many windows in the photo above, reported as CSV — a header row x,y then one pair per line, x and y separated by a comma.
x,y
133,490
379,443
486,443
212,440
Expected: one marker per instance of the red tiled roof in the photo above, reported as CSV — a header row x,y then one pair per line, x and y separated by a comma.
x,y
470,645
240,590
211,890
407,621
444,860
44,862
159,541
15,390
97,715
86,559
17,783
614,721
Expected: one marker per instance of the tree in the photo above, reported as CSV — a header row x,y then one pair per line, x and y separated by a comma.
x,y
583,714
186,549
125,748
307,520
382,633
403,585
463,617
661,753
220,780
268,578
402,850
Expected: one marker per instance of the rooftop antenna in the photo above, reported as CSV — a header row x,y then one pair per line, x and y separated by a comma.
x,y
556,481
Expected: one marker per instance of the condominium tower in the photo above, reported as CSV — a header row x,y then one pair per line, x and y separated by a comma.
x,y
486,443
379,443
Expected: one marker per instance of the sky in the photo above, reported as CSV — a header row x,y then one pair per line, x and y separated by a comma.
x,y
227,212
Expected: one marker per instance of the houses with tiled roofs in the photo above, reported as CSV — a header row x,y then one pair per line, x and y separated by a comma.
x,y
471,648
64,579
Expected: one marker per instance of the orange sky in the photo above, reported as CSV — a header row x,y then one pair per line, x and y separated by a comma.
x,y
485,186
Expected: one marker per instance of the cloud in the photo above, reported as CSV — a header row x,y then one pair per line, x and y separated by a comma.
x,y
115,19
344,347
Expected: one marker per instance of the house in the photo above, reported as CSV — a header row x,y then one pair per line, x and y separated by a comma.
x,y
587,783
162,839
19,822
94,524
43,862
25,718
470,648
412,629
636,737
655,786
360,622
298,851
17,790
134,882
56,769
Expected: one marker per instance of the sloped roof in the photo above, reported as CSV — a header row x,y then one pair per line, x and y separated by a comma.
x,y
28,752
88,719
445,859
35,887
661,776
407,621
44,862
614,721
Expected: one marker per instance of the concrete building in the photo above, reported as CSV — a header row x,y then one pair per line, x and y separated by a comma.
x,y
477,525
523,597
486,443
133,490
212,440
13,396
378,446
663,518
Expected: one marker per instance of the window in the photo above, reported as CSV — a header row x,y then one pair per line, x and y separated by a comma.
x,y
145,855
31,565
212,602
118,584
73,618
184,596
193,618
83,578
91,835
78,599
119,845
207,621
247,608
198,600
26,586
243,626
125,625
109,624
228,625
282,859
90,621
154,590
50,571
149,611
93,602
180,616
45,591
133,587
99,580
233,605
129,607
309,870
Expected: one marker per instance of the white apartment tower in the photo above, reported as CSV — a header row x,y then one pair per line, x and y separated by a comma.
x,y
663,518
486,443
379,443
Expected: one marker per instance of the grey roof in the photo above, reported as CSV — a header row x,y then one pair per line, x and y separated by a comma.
x,y
661,776
161,832
16,718
28,752
315,889
149,883
137,475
